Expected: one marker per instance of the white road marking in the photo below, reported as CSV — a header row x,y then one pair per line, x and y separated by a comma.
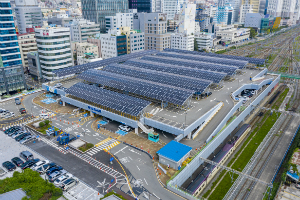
x,y
199,109
145,181
227,101
121,150
165,135
156,196
134,151
138,168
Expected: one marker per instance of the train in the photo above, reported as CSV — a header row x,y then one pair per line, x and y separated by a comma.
x,y
209,171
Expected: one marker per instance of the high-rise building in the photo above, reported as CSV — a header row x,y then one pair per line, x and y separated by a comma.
x,y
28,14
288,10
182,41
246,8
135,40
27,43
170,7
119,20
140,5
60,20
82,29
202,16
254,3
54,49
186,22
235,4
11,69
113,44
224,15
34,65
97,10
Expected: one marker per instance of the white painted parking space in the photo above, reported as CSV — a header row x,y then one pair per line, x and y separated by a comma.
x,y
82,192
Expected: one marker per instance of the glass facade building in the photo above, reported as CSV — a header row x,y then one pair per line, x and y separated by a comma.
x,y
96,10
140,5
11,69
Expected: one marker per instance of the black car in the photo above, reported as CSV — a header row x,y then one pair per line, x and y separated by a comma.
x,y
44,168
12,129
14,132
53,169
20,137
29,163
17,161
22,110
9,166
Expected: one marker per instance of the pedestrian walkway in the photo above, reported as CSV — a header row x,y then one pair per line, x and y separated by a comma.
x,y
105,145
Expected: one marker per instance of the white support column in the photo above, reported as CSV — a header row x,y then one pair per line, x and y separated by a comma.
x,y
189,135
92,114
136,130
64,104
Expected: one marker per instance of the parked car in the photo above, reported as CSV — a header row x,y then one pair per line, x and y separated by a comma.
x,y
17,101
14,132
20,137
26,155
57,85
10,114
124,128
298,185
12,129
53,176
53,169
67,184
61,179
17,161
39,164
42,169
9,166
26,139
29,163
22,110
17,133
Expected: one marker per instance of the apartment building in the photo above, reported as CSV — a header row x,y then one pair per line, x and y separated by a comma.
x,y
182,41
135,40
119,20
113,44
96,41
246,8
54,48
27,43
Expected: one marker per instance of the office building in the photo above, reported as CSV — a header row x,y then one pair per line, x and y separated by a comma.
x,y
170,7
246,8
82,29
87,58
95,40
288,10
255,4
11,69
81,48
140,5
204,41
135,40
119,20
253,20
97,10
187,18
229,35
54,49
182,41
28,14
202,17
113,44
224,15
235,4
27,43
60,20
34,66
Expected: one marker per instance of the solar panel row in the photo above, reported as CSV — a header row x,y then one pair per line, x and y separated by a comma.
x,y
160,77
215,77
141,87
257,61
200,58
229,70
120,102
80,68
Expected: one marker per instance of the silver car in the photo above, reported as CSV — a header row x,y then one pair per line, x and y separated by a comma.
x,y
26,139
67,184
62,179
39,164
17,134
52,177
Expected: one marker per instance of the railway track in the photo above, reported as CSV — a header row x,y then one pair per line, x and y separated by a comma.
x,y
244,186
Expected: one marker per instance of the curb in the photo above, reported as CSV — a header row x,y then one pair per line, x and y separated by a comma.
x,y
10,98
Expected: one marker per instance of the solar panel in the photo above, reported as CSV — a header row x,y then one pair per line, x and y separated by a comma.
x,y
197,85
80,68
257,61
141,87
207,59
215,77
229,70
119,102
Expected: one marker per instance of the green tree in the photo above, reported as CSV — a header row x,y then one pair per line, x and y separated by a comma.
x,y
47,121
41,124
195,45
268,31
253,33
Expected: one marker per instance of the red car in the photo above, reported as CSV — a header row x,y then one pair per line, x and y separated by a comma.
x,y
22,110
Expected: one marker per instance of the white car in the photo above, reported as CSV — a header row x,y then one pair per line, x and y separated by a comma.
x,y
10,114
57,85
61,179
67,184
38,164
124,128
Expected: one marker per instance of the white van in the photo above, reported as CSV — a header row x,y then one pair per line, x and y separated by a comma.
x,y
44,116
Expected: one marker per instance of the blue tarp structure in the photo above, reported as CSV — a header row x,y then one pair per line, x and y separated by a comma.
x,y
120,132
293,176
174,150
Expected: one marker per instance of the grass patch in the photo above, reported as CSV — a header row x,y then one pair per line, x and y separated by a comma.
x,y
280,99
261,131
271,58
44,128
32,183
221,51
113,193
86,147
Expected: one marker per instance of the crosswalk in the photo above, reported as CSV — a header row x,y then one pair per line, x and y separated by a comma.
x,y
105,145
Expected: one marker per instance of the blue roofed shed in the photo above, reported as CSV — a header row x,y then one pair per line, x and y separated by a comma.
x,y
173,154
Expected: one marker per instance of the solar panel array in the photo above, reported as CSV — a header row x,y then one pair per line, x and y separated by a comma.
x,y
229,70
141,87
193,84
257,61
80,68
120,102
200,58
215,77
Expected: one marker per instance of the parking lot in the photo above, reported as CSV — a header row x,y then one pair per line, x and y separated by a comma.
x,y
11,107
9,148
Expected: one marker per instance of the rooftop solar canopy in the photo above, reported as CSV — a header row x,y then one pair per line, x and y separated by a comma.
x,y
229,70
200,58
257,61
215,77
80,68
141,87
120,102
190,83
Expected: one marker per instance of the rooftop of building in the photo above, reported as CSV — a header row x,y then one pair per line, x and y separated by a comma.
x,y
174,151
